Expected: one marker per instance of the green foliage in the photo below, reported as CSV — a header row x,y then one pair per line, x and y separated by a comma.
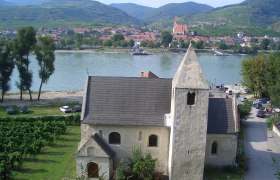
x,y
23,137
166,38
70,13
44,51
253,70
264,44
120,172
142,166
6,67
238,18
244,109
5,166
272,121
23,44
272,77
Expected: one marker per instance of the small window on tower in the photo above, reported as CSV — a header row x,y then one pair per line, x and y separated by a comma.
x,y
191,98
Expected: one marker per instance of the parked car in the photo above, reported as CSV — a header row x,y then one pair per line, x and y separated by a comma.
x,y
257,106
264,100
11,110
242,98
229,92
260,114
24,109
77,108
65,109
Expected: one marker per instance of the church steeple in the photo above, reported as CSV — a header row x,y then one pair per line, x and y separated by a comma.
x,y
189,113
189,74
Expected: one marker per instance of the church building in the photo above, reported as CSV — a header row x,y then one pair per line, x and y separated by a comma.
x,y
175,120
179,29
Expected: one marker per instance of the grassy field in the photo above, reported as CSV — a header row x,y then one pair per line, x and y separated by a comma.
x,y
45,110
55,162
220,174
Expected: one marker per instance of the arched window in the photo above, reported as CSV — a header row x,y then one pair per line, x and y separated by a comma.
x,y
191,98
92,170
153,140
214,148
114,138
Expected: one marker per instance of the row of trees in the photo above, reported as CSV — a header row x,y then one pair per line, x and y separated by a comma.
x,y
262,75
16,52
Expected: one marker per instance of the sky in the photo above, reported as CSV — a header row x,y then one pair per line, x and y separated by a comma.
x,y
158,3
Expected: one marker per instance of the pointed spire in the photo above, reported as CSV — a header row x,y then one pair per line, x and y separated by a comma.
x,y
189,74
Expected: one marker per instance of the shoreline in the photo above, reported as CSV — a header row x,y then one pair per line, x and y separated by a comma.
x,y
47,97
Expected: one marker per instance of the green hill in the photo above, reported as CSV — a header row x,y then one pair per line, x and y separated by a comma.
x,y
165,12
27,2
66,13
253,17
133,10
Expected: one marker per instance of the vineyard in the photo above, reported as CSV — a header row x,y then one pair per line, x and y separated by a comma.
x,y
22,138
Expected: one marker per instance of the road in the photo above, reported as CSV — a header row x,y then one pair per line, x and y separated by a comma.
x,y
261,146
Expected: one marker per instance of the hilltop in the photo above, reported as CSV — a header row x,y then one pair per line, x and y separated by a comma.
x,y
253,17
67,13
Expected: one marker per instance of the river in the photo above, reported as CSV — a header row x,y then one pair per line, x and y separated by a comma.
x,y
71,68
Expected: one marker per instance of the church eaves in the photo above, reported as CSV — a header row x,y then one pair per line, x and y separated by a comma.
x,y
189,74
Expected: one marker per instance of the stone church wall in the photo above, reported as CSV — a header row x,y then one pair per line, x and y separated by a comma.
x,y
130,138
226,151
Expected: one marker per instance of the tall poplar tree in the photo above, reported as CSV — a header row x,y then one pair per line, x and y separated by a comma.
x,y
6,67
44,51
23,45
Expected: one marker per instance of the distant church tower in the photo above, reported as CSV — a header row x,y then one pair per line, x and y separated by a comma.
x,y
189,112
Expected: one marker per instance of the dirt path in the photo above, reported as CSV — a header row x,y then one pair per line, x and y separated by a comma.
x,y
46,98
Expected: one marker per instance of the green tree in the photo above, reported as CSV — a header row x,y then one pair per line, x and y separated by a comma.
x,y
44,51
252,70
23,45
265,44
6,67
166,38
131,43
272,77
117,37
223,46
200,45
78,40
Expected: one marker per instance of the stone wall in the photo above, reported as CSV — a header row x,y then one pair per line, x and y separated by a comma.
x,y
187,150
226,152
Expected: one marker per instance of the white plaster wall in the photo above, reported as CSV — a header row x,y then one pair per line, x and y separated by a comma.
x,y
227,149
189,135
129,139
103,165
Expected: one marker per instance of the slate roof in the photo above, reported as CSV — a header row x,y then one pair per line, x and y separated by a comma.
x,y
106,147
144,101
127,101
220,116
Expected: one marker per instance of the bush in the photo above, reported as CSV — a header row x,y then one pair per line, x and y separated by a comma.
x,y
244,109
271,121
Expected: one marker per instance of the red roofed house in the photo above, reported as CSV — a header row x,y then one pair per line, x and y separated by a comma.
x,y
178,28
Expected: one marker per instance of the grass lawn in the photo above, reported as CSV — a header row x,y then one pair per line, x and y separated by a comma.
x,y
37,110
55,162
219,174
